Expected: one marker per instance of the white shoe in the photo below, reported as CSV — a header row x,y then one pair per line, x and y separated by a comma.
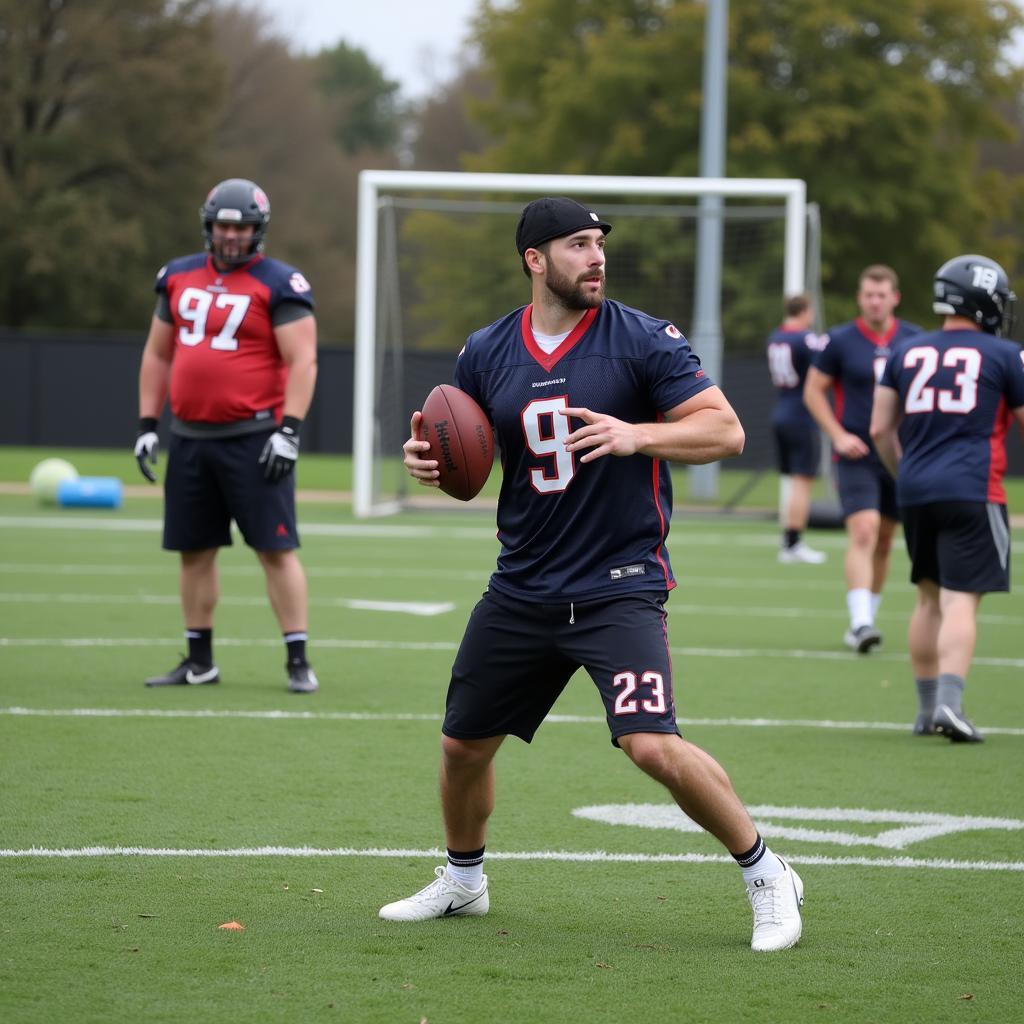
x,y
444,897
800,552
776,903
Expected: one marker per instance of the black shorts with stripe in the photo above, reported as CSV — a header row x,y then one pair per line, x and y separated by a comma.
x,y
960,545
211,481
516,657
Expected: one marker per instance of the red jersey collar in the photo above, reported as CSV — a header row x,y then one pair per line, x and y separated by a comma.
x,y
879,340
542,357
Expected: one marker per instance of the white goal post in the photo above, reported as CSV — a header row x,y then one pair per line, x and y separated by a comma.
x,y
374,183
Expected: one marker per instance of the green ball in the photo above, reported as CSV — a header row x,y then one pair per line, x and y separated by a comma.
x,y
47,477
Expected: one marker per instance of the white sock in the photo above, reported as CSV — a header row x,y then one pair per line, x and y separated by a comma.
x,y
469,875
858,602
876,600
768,866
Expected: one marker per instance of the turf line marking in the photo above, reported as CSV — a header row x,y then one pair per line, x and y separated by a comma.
x,y
405,645
438,607
376,716
561,856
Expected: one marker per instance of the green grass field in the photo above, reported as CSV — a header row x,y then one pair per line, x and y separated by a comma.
x,y
134,822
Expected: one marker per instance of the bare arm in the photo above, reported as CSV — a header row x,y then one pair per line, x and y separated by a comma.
x,y
816,389
885,419
702,429
296,342
155,371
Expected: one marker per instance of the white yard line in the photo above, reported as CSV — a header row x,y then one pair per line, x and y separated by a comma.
x,y
404,645
562,856
396,716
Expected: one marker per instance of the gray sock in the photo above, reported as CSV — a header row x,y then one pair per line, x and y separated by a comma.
x,y
950,691
926,695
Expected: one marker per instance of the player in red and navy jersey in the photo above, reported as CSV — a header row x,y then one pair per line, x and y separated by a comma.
x,y
790,349
849,365
233,344
952,395
589,400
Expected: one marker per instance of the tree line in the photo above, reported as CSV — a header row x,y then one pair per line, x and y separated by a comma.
x,y
116,116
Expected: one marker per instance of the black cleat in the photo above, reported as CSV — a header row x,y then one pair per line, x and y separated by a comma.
x,y
955,725
301,679
188,673
862,639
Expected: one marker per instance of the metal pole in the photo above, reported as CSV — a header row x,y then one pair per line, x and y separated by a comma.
x,y
706,335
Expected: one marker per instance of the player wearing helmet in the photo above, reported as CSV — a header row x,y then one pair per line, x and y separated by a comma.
x,y
941,413
232,343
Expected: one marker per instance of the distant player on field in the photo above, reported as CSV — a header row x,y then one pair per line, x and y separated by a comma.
x,y
952,394
583,573
233,342
849,365
797,441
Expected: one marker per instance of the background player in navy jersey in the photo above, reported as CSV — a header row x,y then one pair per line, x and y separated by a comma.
x,y
952,394
588,399
849,366
797,442
233,342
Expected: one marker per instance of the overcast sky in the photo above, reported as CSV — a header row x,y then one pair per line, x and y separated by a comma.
x,y
413,41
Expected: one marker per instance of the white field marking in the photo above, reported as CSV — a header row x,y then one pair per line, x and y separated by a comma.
x,y
405,645
423,608
562,856
379,716
766,539
439,607
916,827
42,569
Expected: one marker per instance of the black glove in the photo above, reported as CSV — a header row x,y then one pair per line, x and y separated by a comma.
x,y
281,450
146,445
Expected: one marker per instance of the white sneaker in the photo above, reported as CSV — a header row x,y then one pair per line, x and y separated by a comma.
x,y
776,903
444,897
800,552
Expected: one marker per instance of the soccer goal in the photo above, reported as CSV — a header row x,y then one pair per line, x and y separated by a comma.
x,y
436,260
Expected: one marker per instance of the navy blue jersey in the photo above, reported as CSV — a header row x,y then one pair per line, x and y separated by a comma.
x,y
957,390
789,357
572,530
853,357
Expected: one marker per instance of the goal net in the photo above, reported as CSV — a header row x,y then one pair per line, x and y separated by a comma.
x,y
436,261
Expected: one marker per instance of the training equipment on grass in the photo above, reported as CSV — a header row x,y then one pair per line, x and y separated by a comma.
x,y
460,439
47,476
90,492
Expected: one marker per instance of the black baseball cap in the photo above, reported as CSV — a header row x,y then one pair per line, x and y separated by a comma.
x,y
554,217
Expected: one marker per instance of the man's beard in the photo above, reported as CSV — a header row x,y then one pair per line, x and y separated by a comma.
x,y
570,292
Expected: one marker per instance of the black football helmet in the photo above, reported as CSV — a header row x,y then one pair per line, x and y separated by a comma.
x,y
977,288
236,201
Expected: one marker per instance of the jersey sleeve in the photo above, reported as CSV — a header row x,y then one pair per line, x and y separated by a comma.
x,y
291,287
826,358
1015,384
673,371
463,377
891,370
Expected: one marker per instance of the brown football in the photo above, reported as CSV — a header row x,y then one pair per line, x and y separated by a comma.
x,y
460,439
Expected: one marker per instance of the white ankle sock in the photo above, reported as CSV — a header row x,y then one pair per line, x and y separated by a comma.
x,y
858,602
471,875
768,866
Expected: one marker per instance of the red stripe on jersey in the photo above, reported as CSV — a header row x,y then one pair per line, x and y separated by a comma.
x,y
879,340
997,454
542,357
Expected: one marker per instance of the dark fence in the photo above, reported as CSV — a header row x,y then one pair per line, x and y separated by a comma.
x,y
80,390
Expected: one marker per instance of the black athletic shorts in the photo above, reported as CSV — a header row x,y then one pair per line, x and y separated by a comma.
x,y
865,484
960,545
798,449
211,481
517,656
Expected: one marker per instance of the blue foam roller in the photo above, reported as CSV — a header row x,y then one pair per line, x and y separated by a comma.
x,y
90,492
